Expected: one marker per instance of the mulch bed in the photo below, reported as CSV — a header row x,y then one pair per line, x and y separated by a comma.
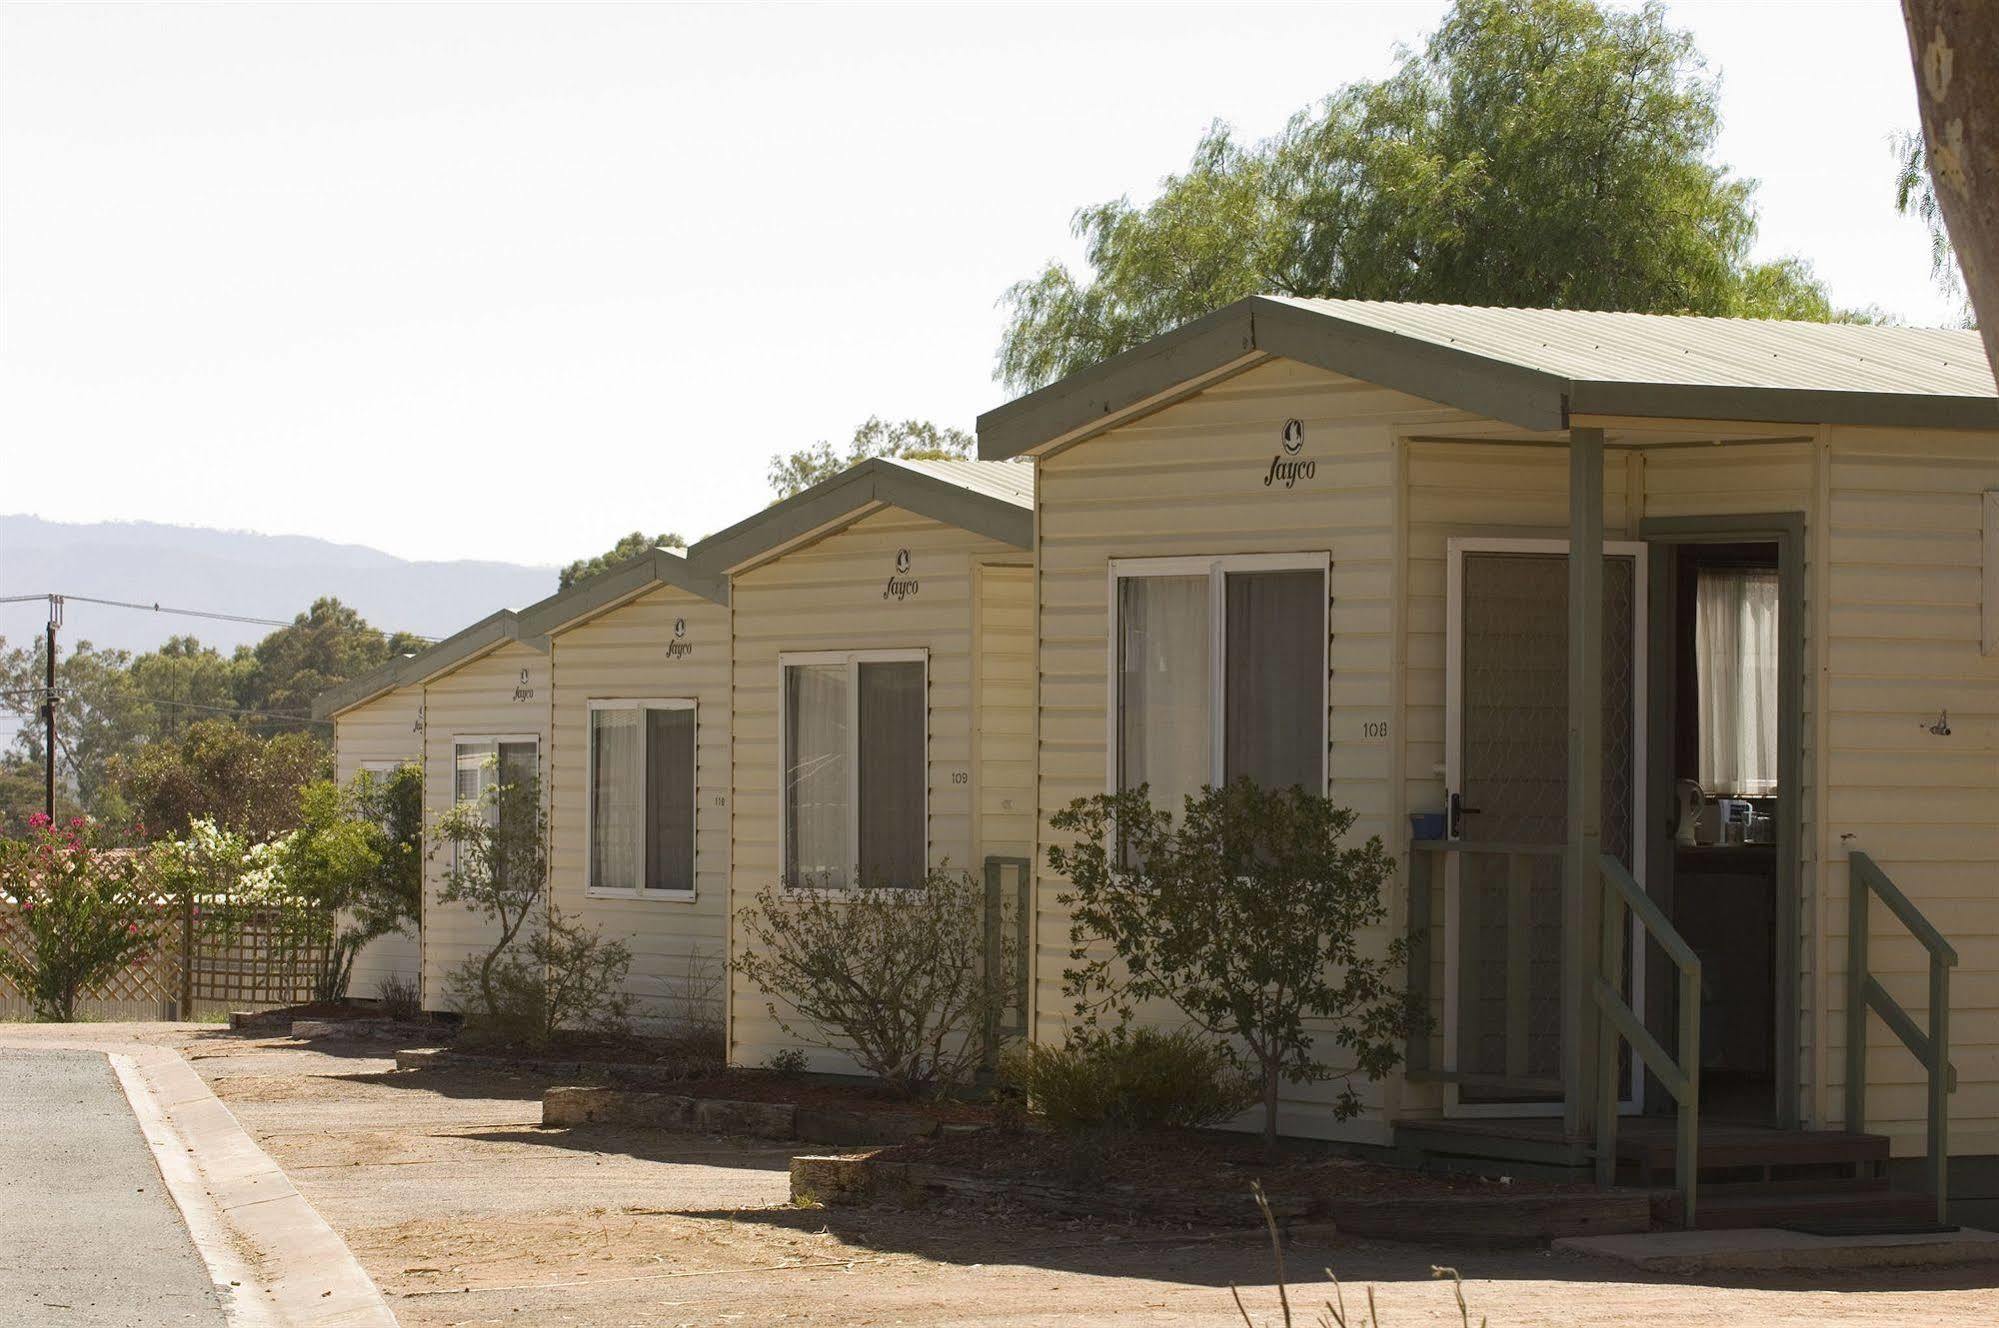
x,y
1194,1165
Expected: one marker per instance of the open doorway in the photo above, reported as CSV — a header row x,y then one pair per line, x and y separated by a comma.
x,y
1728,816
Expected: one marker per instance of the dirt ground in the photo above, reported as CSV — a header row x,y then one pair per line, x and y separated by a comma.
x,y
466,1212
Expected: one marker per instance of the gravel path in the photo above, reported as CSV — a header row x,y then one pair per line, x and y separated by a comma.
x,y
90,1234
467,1212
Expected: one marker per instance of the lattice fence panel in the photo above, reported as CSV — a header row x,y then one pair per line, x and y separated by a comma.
x,y
257,960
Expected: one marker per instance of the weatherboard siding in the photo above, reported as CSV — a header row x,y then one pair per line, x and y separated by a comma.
x,y
386,731
830,594
483,698
1903,648
678,946
1188,480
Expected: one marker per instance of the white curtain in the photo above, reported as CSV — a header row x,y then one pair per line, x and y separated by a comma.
x,y
1735,653
615,778
815,777
1163,668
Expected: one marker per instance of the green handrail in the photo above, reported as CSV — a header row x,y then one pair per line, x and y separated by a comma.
x,y
1864,991
1681,1075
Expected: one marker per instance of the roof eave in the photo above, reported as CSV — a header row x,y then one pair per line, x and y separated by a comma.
x,y
1909,410
615,586
853,493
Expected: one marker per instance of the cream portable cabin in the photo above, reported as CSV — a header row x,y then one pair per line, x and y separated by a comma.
x,y
485,722
1326,542
638,784
377,726
883,676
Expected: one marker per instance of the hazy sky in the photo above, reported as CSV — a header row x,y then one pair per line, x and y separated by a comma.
x,y
508,282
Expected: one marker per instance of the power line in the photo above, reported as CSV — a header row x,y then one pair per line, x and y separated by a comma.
x,y
157,607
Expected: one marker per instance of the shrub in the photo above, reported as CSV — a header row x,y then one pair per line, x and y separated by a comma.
x,y
786,1062
1136,1079
1249,916
400,1000
81,913
896,976
543,972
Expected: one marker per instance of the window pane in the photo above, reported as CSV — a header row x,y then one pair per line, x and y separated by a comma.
x,y
473,770
1163,686
815,776
892,774
515,810
670,800
614,799
1275,716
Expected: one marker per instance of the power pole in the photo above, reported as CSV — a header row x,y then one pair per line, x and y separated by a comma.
x,y
49,711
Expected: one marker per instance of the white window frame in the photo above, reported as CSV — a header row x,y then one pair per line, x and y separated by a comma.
x,y
639,891
1217,567
465,739
853,659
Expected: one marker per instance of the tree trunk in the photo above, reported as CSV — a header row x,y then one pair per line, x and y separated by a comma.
x,y
1272,1085
1955,44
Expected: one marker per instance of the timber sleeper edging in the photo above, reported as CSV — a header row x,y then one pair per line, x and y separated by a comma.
x,y
613,1072
1484,1221
801,1122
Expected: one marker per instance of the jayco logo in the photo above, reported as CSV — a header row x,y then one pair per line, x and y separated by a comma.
x,y
900,586
525,691
678,648
1287,466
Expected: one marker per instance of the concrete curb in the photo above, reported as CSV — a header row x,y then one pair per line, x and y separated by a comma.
x,y
274,1259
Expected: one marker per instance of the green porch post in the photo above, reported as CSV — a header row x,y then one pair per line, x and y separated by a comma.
x,y
1582,901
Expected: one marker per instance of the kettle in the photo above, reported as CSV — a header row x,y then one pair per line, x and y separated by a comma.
x,y
1691,801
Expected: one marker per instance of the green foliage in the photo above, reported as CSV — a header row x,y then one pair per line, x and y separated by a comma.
x,y
1249,917
495,855
97,717
392,803
219,771
787,1062
1916,196
1130,1079
353,866
1540,153
78,911
323,647
895,976
911,440
626,549
399,1000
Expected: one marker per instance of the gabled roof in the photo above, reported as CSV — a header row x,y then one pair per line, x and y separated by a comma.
x,y
482,637
615,585
986,497
1534,368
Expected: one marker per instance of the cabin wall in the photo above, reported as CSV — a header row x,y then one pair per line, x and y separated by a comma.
x,y
1902,650
503,693
385,731
1190,480
834,594
678,946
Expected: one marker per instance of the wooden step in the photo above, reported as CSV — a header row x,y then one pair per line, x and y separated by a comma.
x,y
1727,1148
1776,1209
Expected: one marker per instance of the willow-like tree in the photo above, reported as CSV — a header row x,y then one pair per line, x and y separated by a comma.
x,y
1538,153
626,549
911,440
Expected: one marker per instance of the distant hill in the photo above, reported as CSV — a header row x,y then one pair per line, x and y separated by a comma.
x,y
233,571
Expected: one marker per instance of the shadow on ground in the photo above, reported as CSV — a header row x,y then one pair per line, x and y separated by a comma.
x,y
959,1235
649,1145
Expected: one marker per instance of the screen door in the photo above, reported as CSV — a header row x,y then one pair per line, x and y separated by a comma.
x,y
1507,762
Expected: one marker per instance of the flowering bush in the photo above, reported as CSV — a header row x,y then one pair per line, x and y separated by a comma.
x,y
74,909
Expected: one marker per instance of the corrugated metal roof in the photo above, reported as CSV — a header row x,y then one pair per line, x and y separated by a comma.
x,y
1687,351
1007,481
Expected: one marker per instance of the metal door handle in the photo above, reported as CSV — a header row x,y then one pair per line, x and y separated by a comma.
x,y
1457,814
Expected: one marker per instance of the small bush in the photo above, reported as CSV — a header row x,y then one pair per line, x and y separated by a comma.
x,y
789,1063
1130,1080
563,977
896,976
399,1000
79,910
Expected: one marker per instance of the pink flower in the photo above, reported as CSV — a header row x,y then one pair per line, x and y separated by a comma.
x,y
131,929
27,905
38,820
76,823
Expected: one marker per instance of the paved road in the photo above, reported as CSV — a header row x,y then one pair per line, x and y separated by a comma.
x,y
88,1232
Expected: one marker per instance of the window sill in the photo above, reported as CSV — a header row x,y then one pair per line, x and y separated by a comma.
x,y
668,896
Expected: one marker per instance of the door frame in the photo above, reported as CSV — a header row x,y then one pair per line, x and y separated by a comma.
x,y
1455,548
1786,530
